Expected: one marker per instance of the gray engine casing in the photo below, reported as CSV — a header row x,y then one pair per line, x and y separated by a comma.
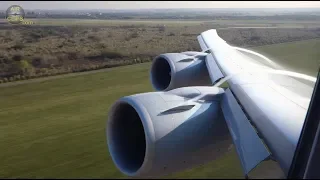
x,y
158,133
175,70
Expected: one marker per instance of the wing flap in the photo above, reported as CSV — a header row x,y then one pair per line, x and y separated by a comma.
x,y
202,43
213,69
250,148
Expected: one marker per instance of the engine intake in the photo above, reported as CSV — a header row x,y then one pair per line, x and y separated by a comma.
x,y
129,142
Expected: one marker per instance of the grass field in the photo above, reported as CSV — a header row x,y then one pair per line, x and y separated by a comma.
x,y
56,128
58,46
302,56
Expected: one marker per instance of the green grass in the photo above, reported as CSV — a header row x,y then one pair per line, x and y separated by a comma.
x,y
300,56
56,128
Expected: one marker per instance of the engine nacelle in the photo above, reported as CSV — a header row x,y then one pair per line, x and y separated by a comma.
x,y
159,133
175,70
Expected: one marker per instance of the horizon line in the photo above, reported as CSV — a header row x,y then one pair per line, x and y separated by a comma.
x,y
291,8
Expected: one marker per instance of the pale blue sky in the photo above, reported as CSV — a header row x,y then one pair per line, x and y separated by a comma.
x,y
157,4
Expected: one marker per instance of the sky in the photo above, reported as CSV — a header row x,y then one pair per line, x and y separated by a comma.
x,y
53,5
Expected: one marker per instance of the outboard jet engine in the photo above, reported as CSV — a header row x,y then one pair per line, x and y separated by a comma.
x,y
175,70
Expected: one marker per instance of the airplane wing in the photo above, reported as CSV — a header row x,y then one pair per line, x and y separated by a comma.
x,y
190,120
275,104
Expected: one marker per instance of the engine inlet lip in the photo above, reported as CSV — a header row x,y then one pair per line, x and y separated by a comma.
x,y
172,68
148,130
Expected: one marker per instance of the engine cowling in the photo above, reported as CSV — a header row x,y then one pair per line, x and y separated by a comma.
x,y
175,70
158,133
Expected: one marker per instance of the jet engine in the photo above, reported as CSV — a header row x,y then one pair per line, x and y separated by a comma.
x,y
175,70
158,133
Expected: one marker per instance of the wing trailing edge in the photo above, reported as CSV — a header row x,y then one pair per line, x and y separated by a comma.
x,y
213,69
250,148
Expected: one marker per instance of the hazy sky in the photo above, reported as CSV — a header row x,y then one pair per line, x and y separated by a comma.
x,y
157,4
